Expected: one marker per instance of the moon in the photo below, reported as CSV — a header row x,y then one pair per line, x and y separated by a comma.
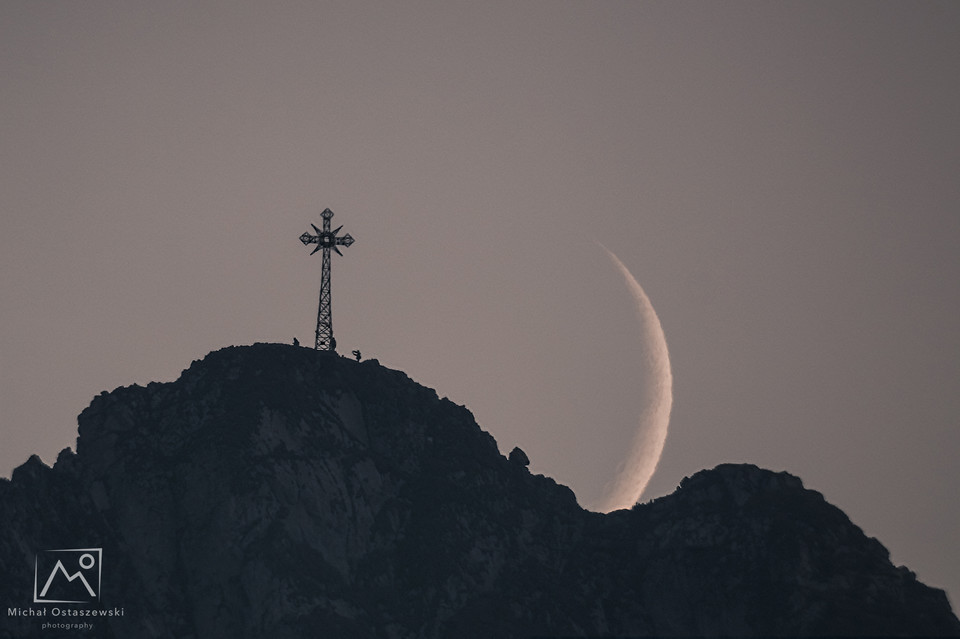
x,y
657,400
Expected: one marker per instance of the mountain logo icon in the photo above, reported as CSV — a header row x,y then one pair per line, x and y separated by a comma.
x,y
67,575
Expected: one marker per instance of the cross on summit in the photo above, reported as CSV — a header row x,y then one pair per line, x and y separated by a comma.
x,y
325,240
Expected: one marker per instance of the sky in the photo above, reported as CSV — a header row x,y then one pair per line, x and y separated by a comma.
x,y
780,178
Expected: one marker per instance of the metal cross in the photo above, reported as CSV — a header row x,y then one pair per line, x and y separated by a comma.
x,y
326,239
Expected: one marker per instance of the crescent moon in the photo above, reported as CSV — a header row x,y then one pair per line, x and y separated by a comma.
x,y
657,400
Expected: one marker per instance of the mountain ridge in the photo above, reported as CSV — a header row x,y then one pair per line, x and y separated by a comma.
x,y
279,490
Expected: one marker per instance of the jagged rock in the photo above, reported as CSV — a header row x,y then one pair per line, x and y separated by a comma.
x,y
284,492
517,456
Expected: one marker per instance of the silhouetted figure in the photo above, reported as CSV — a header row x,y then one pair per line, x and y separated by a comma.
x,y
357,354
296,342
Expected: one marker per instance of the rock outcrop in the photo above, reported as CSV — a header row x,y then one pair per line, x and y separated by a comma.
x,y
284,492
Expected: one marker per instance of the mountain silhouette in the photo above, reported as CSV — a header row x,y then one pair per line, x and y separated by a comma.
x,y
277,491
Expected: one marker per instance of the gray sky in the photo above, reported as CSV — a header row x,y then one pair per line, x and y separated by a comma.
x,y
781,178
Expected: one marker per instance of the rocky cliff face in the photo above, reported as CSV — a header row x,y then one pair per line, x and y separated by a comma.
x,y
283,492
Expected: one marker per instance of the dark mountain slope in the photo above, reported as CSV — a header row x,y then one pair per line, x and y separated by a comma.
x,y
279,491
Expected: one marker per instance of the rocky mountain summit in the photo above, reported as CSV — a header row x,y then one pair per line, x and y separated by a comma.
x,y
276,491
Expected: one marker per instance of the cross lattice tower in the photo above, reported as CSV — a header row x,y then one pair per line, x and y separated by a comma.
x,y
326,240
